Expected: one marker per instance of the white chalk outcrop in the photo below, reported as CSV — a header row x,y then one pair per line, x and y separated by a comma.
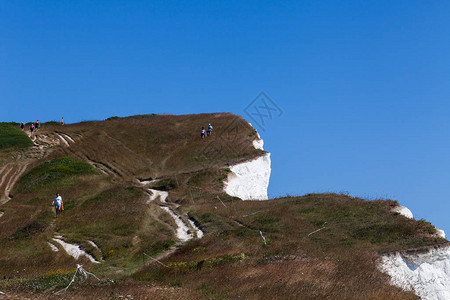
x,y
249,180
440,233
258,144
427,273
404,211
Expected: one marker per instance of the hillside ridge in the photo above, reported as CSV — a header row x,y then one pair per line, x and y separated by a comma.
x,y
148,201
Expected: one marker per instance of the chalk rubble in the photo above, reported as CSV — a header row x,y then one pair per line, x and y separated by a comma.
x,y
74,250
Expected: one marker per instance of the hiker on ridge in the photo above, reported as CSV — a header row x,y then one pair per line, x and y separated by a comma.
x,y
38,124
22,125
58,203
203,133
209,130
62,121
32,128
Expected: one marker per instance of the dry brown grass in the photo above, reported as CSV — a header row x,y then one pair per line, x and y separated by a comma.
x,y
333,263
319,246
156,146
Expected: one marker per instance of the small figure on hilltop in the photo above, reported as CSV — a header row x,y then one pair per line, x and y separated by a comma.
x,y
58,203
38,124
62,121
22,125
32,128
209,130
203,133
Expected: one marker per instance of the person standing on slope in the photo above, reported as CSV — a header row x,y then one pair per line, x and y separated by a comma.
x,y
32,128
22,125
62,121
209,130
58,203
203,133
38,124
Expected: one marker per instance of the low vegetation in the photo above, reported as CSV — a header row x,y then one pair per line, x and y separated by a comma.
x,y
317,246
314,246
12,137
53,173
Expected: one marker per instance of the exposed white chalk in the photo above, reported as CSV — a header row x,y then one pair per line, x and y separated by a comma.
x,y
53,247
74,250
182,231
427,274
404,211
249,180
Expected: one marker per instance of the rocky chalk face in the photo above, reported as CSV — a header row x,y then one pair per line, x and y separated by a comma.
x,y
249,180
427,273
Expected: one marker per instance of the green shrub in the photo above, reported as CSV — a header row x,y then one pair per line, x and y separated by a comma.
x,y
165,184
253,132
10,123
52,123
42,283
13,137
426,226
158,247
206,217
223,175
54,172
29,230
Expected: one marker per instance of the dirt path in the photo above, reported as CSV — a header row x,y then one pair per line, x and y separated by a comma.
x,y
74,250
63,140
103,167
11,172
184,231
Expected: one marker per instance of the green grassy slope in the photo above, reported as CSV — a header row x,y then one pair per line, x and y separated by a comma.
x,y
317,246
13,137
53,174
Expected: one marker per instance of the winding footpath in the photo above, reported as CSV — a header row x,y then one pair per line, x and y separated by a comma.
x,y
185,230
10,173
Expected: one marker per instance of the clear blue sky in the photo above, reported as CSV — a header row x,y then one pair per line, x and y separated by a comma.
x,y
363,85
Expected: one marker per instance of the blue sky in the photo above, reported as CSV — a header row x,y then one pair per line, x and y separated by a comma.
x,y
363,85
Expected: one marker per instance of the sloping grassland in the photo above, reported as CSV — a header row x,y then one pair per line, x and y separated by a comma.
x,y
318,246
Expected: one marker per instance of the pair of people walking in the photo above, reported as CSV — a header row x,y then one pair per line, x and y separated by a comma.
x,y
206,132
34,126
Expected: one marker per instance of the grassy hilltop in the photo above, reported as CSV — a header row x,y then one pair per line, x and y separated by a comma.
x,y
316,246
